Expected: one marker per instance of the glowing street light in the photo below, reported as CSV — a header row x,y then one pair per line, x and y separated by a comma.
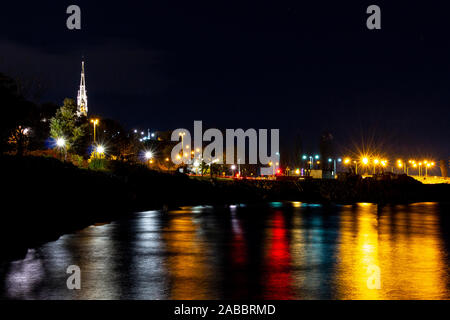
x,y
100,149
375,162
61,142
347,161
148,155
95,123
429,165
400,165
182,134
233,167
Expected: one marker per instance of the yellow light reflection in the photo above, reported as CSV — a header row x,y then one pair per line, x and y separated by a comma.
x,y
296,204
405,244
187,261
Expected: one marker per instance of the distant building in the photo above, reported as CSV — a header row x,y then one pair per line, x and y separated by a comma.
x,y
82,102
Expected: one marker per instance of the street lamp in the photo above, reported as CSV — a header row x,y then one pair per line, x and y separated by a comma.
x,y
365,161
429,165
383,165
100,150
182,134
271,165
400,164
61,144
95,123
375,162
149,157
233,167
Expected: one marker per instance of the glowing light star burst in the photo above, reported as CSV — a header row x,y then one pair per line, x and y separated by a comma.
x,y
61,142
148,155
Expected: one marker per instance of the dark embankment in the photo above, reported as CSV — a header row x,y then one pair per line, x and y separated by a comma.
x,y
44,198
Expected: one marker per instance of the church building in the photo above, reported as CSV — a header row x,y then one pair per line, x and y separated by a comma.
x,y
82,102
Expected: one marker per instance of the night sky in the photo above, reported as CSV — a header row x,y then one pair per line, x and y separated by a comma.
x,y
302,68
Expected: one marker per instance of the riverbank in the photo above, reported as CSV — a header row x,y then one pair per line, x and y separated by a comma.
x,y
45,198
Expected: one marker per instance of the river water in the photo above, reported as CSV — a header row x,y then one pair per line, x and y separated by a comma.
x,y
288,250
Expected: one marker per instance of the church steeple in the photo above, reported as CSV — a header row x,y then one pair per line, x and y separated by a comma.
x,y
82,95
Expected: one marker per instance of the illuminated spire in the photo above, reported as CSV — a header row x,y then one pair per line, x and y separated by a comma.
x,y
82,95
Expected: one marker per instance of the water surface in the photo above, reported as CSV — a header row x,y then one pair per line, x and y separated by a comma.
x,y
287,250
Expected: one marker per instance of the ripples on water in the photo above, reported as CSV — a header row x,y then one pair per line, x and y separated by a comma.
x,y
279,251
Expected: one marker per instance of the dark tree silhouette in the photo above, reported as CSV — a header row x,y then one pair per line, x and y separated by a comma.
x,y
18,116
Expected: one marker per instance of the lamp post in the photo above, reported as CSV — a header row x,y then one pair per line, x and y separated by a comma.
x,y
304,157
383,165
233,167
278,162
100,150
149,157
182,134
61,144
95,123
375,162
334,163
400,165
347,161
365,161
428,165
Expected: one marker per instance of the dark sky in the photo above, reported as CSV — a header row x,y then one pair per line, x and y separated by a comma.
x,y
298,67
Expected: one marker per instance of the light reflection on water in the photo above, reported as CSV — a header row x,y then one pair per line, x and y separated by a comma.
x,y
280,251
